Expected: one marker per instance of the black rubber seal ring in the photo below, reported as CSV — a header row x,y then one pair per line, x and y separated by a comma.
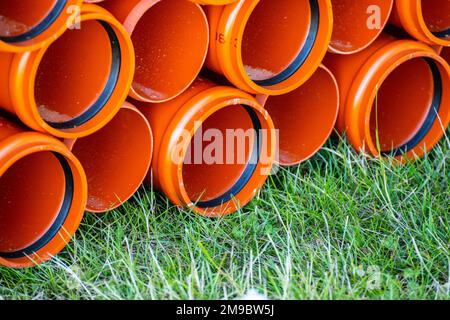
x,y
442,34
110,86
248,171
59,221
431,117
304,53
40,27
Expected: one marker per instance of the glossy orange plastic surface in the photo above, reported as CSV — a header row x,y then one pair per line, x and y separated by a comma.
x,y
75,85
395,97
305,117
358,23
268,47
24,26
171,41
210,188
116,159
426,20
43,192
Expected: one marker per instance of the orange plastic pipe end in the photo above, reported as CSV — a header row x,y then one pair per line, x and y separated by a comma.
x,y
43,192
171,41
28,25
427,21
116,159
214,148
395,97
358,23
304,117
269,47
75,85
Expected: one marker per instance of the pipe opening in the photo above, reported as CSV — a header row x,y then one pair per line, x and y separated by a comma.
x,y
445,53
436,15
25,19
171,40
305,117
278,38
35,198
115,159
406,106
72,84
222,156
358,23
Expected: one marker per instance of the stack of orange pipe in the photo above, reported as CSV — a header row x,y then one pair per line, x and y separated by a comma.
x,y
97,98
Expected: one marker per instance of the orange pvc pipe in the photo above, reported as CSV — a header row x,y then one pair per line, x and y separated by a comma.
x,y
181,167
304,117
116,159
171,41
268,47
43,192
74,86
427,21
358,23
395,97
28,25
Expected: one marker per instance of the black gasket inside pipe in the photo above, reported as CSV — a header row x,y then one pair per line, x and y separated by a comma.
x,y
442,34
431,116
41,27
249,169
60,218
304,52
108,90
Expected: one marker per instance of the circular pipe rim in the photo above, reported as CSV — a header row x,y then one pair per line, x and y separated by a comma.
x,y
359,108
230,56
72,142
56,238
418,28
264,100
25,69
202,111
130,23
55,30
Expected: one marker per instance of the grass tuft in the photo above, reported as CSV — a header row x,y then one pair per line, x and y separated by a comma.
x,y
337,227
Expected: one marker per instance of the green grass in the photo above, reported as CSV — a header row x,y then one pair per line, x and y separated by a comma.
x,y
337,227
